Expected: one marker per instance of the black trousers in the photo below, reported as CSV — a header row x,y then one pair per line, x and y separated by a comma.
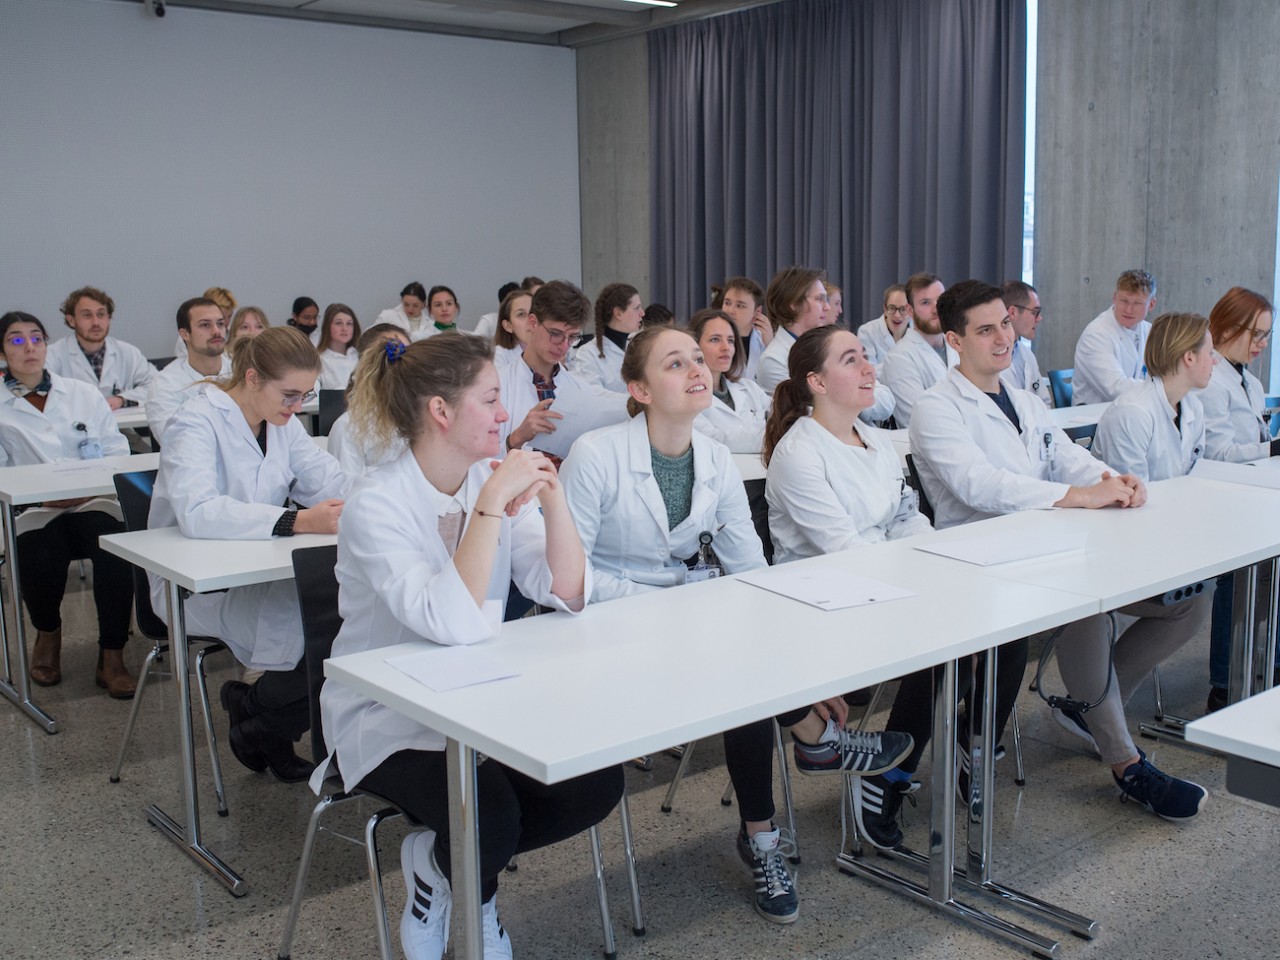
x,y
43,558
913,708
748,753
280,701
516,813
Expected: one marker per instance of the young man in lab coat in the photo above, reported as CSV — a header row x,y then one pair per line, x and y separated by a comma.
x,y
90,354
202,327
1023,304
921,358
983,450
1109,351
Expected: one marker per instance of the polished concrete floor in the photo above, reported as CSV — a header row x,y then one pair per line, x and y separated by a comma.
x,y
85,876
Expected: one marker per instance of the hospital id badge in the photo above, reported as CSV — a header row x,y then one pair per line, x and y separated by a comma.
x,y
1048,447
699,573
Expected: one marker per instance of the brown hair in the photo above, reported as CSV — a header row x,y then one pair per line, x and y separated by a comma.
x,y
1171,336
889,291
1235,312
917,282
273,354
503,337
330,313
222,298
386,395
786,291
698,323
745,284
615,296
1137,281
637,355
792,398
238,320
68,307
562,302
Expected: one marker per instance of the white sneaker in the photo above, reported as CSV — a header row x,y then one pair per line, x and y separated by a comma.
x,y
424,927
497,945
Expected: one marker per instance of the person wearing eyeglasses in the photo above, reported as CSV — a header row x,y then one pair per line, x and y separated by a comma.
x,y
878,336
550,403
232,459
1023,304
44,418
1240,324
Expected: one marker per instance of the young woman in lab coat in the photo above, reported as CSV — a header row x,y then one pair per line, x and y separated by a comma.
x,y
1156,429
739,408
408,313
511,333
247,322
45,418
339,333
427,549
642,493
232,458
618,316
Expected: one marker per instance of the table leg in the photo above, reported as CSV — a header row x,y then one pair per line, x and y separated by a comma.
x,y
464,848
1264,674
18,688
187,835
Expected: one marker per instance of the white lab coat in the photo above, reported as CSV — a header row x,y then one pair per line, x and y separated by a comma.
x,y
355,455
774,365
504,356
397,583
973,464
336,369
877,341
1023,372
622,519
486,326
417,329
125,371
826,495
586,406
605,371
1136,433
754,351
179,349
1233,424
29,436
215,484
172,387
740,427
1108,359
910,368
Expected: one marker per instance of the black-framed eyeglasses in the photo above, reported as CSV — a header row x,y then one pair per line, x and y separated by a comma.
x,y
1259,336
555,336
1034,311
895,310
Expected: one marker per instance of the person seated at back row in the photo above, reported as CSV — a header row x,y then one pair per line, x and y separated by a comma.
x,y
117,369
226,302
983,450
1023,303
922,357
356,452
880,335
742,299
202,327
1109,351
618,315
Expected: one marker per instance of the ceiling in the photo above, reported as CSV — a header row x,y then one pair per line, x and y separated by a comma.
x,y
563,22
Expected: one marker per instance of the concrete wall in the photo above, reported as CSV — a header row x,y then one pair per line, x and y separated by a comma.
x,y
1157,123
613,152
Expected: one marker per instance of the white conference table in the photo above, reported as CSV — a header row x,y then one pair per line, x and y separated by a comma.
x,y
563,715
1084,415
38,483
131,417
1248,732
201,566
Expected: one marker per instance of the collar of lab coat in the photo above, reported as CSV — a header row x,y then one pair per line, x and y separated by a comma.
x,y
915,340
969,391
421,489
1156,386
230,411
641,463
22,405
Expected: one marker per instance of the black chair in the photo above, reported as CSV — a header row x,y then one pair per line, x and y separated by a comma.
x,y
133,490
1082,435
333,404
1060,386
313,572
913,477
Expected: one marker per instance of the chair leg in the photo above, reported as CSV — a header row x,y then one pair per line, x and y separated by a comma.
x,y
1155,677
629,855
133,710
1021,778
680,772
606,924
784,774
871,707
83,573
726,798
304,868
202,685
375,878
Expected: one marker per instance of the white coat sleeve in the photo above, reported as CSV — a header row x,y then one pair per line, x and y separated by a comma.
x,y
740,436
771,372
1123,438
318,475
797,486
529,568
940,437
140,375
1096,355
1219,435
902,377
882,409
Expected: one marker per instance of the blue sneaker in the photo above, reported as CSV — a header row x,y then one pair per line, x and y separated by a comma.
x,y
858,752
1072,721
1160,793
776,898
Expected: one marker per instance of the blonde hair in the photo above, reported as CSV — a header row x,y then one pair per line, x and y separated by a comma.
x,y
1173,335
223,297
238,320
274,354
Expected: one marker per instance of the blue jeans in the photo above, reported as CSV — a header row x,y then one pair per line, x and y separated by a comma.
x,y
1220,632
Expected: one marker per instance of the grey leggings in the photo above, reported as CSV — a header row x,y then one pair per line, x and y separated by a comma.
x,y
1083,655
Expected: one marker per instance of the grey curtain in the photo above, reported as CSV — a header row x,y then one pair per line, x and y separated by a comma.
x,y
872,138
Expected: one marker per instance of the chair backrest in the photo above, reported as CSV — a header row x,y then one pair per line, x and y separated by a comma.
x,y
914,478
1082,435
333,404
133,490
760,516
1060,386
313,573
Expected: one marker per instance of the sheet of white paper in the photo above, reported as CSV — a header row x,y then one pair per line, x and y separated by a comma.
x,y
825,588
1261,474
1004,547
448,668
583,410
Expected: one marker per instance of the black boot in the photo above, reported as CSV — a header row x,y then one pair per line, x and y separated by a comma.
x,y
275,750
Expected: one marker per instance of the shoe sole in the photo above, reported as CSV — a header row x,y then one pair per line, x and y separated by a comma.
x,y
407,919
1204,798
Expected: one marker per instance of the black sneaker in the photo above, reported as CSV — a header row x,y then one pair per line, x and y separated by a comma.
x,y
776,899
1160,793
857,752
1072,721
876,802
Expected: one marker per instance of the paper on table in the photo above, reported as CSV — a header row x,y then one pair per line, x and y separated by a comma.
x,y
1253,475
1005,547
825,588
583,409
448,668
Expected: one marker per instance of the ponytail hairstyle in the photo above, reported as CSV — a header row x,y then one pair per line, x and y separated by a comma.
x,y
331,312
792,398
1172,336
614,296
786,291
503,337
698,323
415,289
391,383
274,353
637,355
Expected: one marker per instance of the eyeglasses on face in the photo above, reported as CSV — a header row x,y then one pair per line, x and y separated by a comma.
x,y
1034,311
291,398
554,335
891,310
1260,337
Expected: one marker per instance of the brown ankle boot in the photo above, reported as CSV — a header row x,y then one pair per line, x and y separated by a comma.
x,y
114,676
46,658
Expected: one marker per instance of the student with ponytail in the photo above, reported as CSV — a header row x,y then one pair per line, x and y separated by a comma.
x,y
618,317
427,548
232,458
